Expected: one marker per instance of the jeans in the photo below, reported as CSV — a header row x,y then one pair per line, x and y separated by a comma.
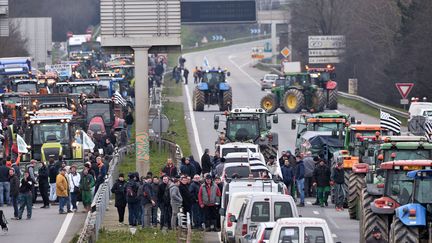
x,y
74,198
174,212
26,200
210,215
52,192
62,202
197,217
4,193
14,201
146,215
339,195
154,211
300,188
133,213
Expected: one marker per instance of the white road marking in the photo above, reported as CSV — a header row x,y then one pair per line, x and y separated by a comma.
x,y
243,71
315,212
337,111
308,203
64,228
244,64
334,235
193,123
219,235
330,219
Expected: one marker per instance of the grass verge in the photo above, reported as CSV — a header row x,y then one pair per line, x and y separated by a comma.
x,y
175,112
171,89
144,235
365,109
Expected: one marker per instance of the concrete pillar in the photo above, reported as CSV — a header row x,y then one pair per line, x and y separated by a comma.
x,y
273,40
142,141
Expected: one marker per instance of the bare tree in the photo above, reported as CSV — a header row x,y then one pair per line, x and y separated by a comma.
x,y
14,44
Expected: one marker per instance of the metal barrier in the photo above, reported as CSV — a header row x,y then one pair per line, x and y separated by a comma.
x,y
94,219
184,231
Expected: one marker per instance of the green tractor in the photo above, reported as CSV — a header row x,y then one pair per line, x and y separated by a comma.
x,y
293,94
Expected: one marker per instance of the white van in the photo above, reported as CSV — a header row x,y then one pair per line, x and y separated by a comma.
x,y
419,109
262,208
301,230
233,208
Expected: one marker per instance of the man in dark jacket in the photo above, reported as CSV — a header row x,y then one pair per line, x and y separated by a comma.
x,y
132,200
14,191
299,176
53,171
197,165
206,162
186,195
287,174
4,184
155,196
196,210
322,181
108,147
146,194
164,203
187,168
25,194
43,184
170,170
119,190
338,181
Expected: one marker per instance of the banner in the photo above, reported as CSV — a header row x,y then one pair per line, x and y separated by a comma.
x,y
22,146
87,142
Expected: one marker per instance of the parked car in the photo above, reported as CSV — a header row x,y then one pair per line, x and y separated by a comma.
x,y
268,80
301,230
261,235
262,208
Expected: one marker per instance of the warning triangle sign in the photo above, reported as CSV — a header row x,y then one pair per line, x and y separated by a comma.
x,y
404,89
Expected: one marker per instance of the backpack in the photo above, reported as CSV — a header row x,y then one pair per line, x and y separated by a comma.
x,y
131,192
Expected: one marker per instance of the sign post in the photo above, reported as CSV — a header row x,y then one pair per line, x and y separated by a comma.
x,y
325,49
404,89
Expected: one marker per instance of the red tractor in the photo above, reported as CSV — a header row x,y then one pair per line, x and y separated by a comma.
x,y
324,77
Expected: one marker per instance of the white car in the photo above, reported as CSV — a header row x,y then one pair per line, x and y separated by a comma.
x,y
301,230
419,109
268,80
261,235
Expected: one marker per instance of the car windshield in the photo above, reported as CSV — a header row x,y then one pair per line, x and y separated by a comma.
x,y
427,113
406,154
288,235
260,212
325,126
242,130
422,191
99,109
47,131
241,171
399,186
84,89
298,79
226,151
314,234
27,87
282,210
270,77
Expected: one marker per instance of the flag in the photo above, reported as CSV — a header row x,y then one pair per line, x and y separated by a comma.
x,y
119,99
428,130
390,122
1,107
87,142
22,145
206,62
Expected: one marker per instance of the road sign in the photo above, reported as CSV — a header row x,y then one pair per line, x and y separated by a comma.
x,y
285,52
404,101
267,47
404,89
326,53
290,67
317,60
326,41
160,125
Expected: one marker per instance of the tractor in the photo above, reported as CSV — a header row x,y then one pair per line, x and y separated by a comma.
x,y
293,94
249,125
213,90
412,221
324,78
380,200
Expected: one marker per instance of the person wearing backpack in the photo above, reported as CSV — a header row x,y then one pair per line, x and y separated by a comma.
x,y
132,200
145,193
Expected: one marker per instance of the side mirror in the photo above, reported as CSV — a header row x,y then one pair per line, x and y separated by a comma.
x,y
233,219
269,125
216,122
352,119
222,211
275,119
293,124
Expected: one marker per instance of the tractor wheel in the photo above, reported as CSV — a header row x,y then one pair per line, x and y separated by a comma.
x,y
368,219
293,101
318,101
332,102
226,101
347,173
402,233
198,100
355,186
269,103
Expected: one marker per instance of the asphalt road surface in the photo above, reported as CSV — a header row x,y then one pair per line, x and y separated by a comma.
x,y
244,81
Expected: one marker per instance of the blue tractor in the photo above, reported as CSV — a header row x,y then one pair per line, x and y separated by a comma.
x,y
213,90
413,221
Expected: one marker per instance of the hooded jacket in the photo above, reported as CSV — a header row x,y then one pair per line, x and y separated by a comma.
x,y
176,198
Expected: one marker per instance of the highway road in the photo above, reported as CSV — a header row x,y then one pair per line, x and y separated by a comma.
x,y
244,80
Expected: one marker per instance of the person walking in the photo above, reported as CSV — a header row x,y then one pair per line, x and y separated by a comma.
x,y
186,75
74,186
25,195
31,170
102,171
43,174
185,194
53,171
194,188
176,201
119,190
132,200
14,191
322,182
86,184
146,196
165,203
129,119
196,165
170,170
187,168
62,190
338,181
208,198
309,165
4,184
299,176
287,174
206,162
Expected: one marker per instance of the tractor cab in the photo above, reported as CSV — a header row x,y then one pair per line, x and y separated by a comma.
x,y
25,86
124,71
88,87
213,90
324,77
109,86
404,148
100,115
213,78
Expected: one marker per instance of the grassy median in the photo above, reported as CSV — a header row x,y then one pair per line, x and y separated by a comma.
x,y
145,235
